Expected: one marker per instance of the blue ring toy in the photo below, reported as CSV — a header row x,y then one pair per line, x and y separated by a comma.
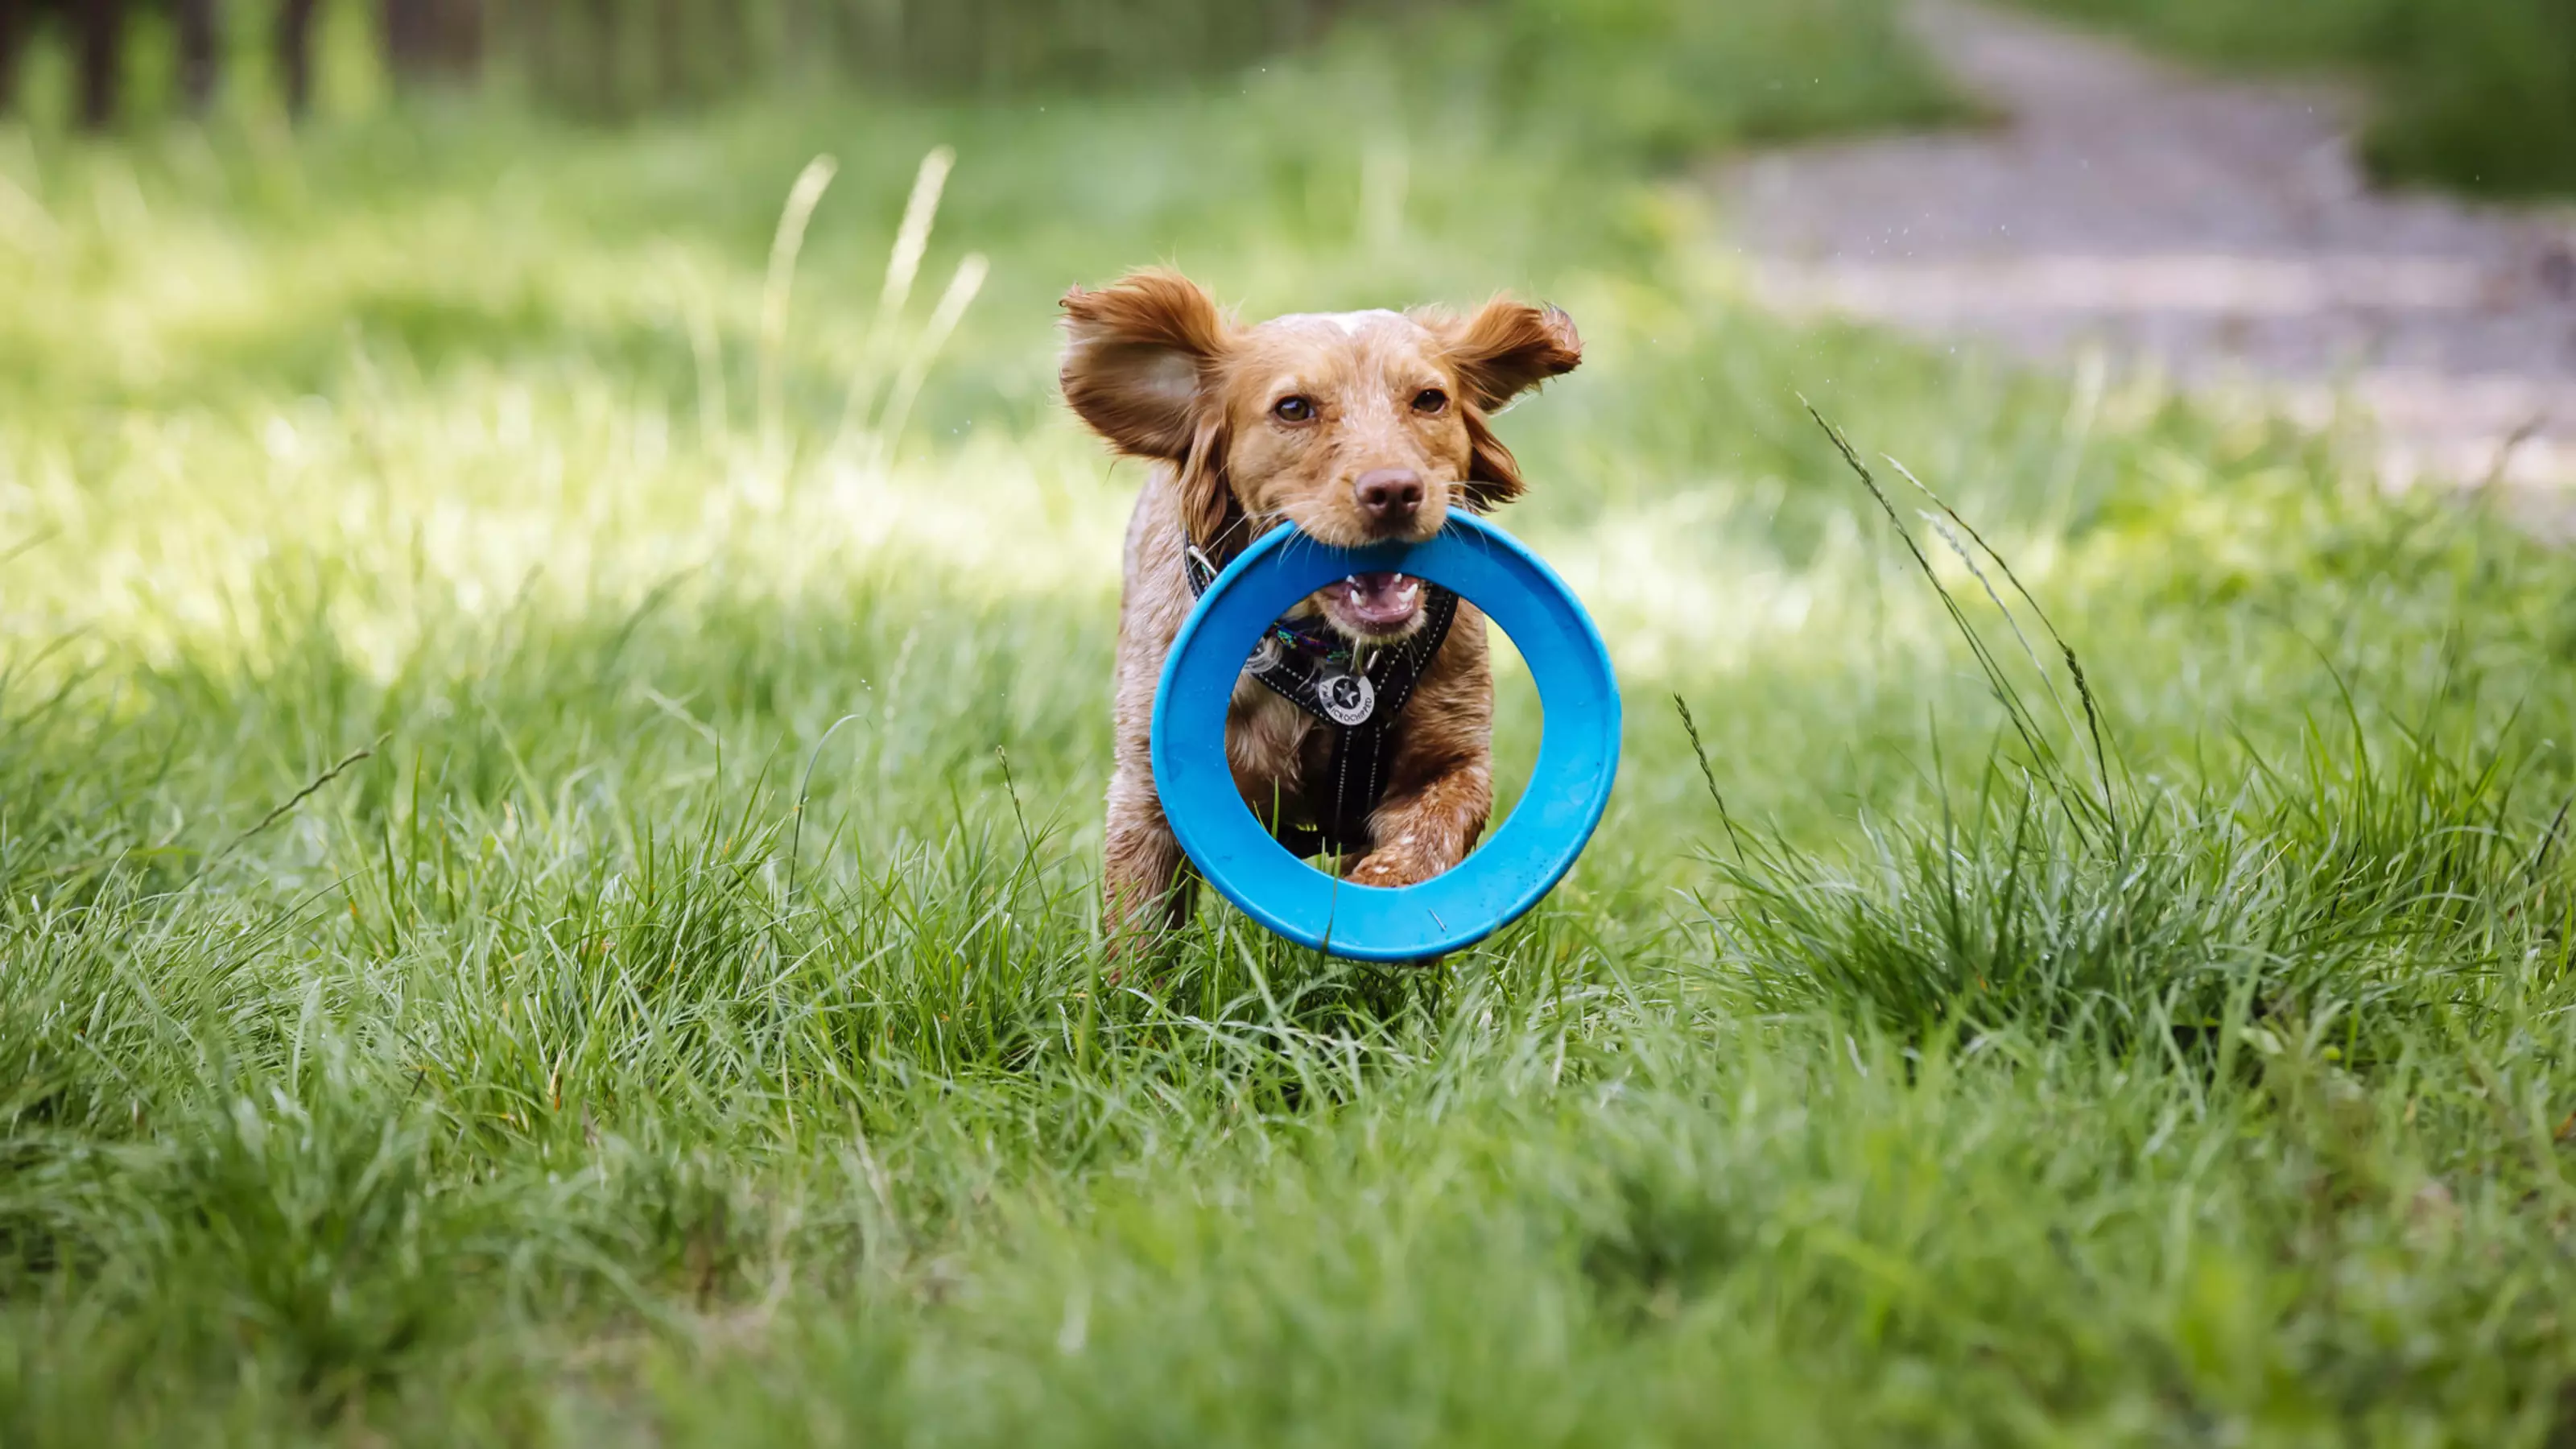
x,y
1578,750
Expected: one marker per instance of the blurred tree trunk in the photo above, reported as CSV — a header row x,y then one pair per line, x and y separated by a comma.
x,y
195,22
408,32
673,75
13,36
697,49
295,53
433,39
460,37
99,45
599,54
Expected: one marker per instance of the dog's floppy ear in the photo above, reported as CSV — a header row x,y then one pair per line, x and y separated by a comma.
x,y
1509,347
1137,359
1139,366
1504,350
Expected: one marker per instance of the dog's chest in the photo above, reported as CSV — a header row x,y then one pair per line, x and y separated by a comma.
x,y
1266,739
1276,750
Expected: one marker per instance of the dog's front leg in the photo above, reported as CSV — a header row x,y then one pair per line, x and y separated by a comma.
x,y
1144,890
1417,835
1440,776
1144,884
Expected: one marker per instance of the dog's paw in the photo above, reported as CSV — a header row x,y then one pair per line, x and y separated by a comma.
x,y
1392,868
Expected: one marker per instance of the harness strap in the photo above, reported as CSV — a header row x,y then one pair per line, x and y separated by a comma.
x,y
1304,662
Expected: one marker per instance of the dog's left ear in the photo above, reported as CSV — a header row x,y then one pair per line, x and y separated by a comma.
x,y
1503,351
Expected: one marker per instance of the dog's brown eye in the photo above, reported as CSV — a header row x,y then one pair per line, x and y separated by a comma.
x,y
1430,400
1293,409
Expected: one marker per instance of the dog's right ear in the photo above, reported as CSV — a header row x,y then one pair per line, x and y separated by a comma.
x,y
1139,359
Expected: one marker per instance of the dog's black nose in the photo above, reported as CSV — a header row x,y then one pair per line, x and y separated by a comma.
x,y
1390,495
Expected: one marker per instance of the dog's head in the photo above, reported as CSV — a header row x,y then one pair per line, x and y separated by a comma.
x,y
1356,426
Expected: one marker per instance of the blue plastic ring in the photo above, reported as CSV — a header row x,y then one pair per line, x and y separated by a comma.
x,y
1578,750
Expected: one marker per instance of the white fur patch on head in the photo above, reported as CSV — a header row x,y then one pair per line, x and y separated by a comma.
x,y
1349,324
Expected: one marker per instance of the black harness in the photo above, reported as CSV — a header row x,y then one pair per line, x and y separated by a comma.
x,y
1306,663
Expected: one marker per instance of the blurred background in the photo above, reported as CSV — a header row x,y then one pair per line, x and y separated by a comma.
x,y
2200,184
2474,92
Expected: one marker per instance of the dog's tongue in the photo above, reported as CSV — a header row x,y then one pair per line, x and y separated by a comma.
x,y
1383,598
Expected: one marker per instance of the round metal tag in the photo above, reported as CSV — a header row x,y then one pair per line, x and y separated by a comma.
x,y
1349,698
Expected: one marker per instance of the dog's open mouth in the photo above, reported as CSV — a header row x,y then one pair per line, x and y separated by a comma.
x,y
1373,606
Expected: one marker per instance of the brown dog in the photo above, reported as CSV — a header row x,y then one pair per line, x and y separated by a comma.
x,y
1362,726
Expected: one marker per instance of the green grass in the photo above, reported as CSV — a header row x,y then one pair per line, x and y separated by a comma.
x,y
547,1074
2474,94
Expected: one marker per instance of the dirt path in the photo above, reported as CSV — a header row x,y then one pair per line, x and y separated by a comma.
x,y
2218,230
